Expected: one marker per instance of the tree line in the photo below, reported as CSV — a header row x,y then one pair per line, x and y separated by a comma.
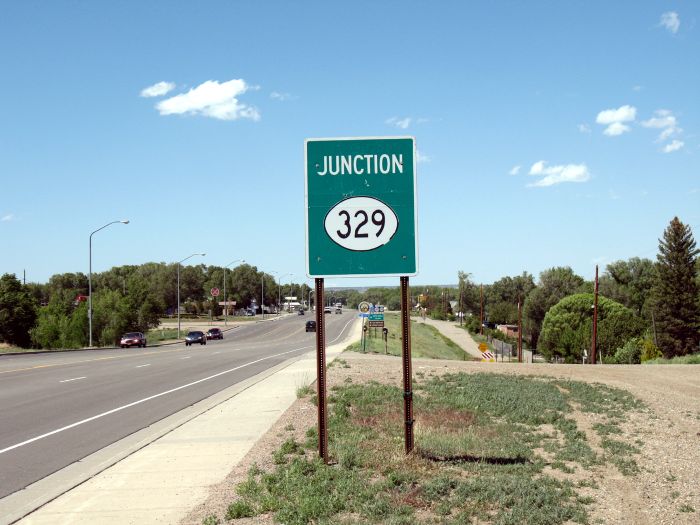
x,y
126,298
645,306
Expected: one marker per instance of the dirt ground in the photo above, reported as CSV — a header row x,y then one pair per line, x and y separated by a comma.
x,y
668,434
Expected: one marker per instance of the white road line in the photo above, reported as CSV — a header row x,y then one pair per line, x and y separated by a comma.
x,y
214,353
186,357
124,407
141,366
74,379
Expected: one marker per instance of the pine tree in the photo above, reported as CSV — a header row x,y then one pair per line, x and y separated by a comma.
x,y
676,302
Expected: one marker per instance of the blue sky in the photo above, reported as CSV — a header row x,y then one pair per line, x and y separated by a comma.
x,y
550,133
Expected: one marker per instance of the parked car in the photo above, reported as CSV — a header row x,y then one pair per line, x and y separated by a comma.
x,y
339,309
310,326
215,333
133,339
327,310
300,312
249,313
195,337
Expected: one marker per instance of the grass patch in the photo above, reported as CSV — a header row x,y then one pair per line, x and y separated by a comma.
x,y
305,390
426,341
163,334
692,359
475,459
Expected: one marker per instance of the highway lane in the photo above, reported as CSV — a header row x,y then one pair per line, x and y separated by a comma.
x,y
58,408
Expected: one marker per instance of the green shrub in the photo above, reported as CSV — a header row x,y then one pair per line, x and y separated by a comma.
x,y
239,509
567,327
630,353
650,351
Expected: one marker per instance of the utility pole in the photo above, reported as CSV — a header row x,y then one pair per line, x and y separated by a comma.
x,y
594,341
520,332
461,312
481,315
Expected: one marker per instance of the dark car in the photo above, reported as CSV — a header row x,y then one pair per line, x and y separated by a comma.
x,y
133,339
215,333
310,326
300,312
195,337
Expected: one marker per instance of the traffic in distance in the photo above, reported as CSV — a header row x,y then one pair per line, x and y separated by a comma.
x,y
138,339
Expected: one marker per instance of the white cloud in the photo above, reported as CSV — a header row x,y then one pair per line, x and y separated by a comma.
x,y
615,129
614,118
673,146
282,97
420,157
514,170
637,88
7,218
157,90
401,123
552,175
211,99
537,168
671,21
663,119
584,128
622,114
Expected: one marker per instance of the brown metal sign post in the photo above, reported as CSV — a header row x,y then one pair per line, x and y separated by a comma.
x,y
406,354
321,372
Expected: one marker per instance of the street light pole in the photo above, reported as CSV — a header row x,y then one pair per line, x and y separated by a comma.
x,y
178,289
125,221
262,295
225,303
279,288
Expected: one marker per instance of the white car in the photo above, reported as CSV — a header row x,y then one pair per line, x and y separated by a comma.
x,y
327,310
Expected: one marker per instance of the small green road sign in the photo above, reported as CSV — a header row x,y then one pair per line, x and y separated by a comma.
x,y
376,317
361,207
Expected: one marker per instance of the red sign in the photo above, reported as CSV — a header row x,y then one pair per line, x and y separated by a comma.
x,y
214,292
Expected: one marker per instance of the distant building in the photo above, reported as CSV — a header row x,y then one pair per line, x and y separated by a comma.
x,y
511,330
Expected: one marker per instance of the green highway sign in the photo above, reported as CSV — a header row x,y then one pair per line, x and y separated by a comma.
x,y
376,317
361,207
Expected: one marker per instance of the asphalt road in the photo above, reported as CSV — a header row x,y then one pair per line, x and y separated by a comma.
x,y
57,408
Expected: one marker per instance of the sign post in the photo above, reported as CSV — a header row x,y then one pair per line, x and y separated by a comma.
x,y
360,203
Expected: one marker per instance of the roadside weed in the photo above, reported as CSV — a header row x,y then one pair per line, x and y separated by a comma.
x,y
483,443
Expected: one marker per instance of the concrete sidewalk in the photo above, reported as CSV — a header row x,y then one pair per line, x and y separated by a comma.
x,y
160,480
459,335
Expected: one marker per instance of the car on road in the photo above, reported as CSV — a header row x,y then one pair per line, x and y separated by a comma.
x,y
339,309
327,310
310,326
300,312
196,336
133,339
215,333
